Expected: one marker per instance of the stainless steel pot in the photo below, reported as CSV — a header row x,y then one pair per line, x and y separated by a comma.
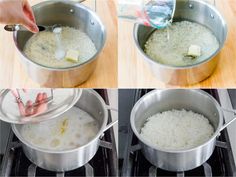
x,y
163,100
66,13
67,160
191,10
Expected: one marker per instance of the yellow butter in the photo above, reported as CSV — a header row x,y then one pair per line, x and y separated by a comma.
x,y
194,51
72,56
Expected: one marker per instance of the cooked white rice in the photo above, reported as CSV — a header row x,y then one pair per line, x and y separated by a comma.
x,y
177,130
182,35
41,47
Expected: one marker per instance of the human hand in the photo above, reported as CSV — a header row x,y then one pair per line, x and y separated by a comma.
x,y
31,109
18,12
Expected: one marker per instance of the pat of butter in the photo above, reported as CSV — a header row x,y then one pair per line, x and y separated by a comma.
x,y
194,51
72,56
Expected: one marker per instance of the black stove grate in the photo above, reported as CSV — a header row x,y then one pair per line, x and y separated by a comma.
x,y
98,166
141,166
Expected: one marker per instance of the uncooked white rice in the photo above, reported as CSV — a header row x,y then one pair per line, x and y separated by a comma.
x,y
182,35
177,130
41,47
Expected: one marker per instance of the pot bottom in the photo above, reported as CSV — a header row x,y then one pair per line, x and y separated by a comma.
x,y
184,77
60,79
57,164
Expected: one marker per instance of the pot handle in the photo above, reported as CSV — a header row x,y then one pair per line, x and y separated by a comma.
x,y
231,121
12,28
113,122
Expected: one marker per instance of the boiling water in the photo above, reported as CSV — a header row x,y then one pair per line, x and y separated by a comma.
x,y
73,129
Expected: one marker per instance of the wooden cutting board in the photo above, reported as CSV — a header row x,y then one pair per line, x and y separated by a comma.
x,y
12,74
134,72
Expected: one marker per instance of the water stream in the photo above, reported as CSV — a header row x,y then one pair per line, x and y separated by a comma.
x,y
60,52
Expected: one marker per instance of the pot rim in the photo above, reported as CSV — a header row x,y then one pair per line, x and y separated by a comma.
x,y
216,132
103,126
94,57
152,61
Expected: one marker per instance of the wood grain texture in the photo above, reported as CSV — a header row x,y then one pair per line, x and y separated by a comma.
x,y
134,72
12,74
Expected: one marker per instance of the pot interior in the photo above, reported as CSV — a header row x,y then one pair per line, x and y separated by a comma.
x,y
194,11
164,100
66,13
89,102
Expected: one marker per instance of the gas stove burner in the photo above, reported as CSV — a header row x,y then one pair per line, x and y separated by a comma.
x,y
89,171
207,171
153,170
17,164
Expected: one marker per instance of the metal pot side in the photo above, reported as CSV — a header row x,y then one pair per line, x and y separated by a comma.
x,y
64,161
68,160
66,13
179,161
163,100
196,11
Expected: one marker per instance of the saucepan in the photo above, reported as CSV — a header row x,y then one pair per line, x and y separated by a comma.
x,y
197,11
67,160
162,100
65,13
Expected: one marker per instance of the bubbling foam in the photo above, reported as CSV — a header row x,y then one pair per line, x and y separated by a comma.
x,y
71,130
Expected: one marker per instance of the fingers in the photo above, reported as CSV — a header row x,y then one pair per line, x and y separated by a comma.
x,y
29,20
41,109
28,11
31,26
39,98
20,104
29,108
21,108
18,12
44,97
15,93
43,106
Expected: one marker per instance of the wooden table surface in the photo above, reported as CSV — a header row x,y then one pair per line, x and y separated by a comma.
x,y
13,75
134,72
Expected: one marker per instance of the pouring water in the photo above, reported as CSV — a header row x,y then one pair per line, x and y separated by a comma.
x,y
60,52
155,13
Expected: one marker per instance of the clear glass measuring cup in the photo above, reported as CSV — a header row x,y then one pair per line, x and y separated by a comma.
x,y
155,13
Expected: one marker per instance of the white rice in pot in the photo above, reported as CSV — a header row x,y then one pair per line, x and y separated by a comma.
x,y
177,130
181,36
41,47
